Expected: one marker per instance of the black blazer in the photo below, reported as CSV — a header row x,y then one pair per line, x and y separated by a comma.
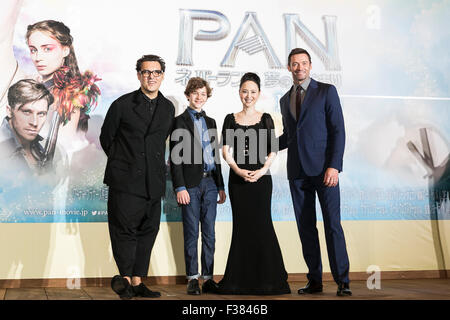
x,y
135,144
190,174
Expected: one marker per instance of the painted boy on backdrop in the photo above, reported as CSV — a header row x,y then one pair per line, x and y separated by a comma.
x,y
20,148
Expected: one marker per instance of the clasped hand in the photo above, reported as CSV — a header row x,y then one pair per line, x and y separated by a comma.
x,y
251,176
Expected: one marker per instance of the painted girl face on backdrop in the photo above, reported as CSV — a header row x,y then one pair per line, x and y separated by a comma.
x,y
46,53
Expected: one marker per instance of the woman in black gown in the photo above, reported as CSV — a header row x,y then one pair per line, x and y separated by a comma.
x,y
255,264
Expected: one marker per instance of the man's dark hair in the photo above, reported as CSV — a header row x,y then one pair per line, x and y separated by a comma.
x,y
298,51
26,91
250,76
150,57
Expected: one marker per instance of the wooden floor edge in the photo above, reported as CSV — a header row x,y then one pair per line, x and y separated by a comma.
x,y
170,280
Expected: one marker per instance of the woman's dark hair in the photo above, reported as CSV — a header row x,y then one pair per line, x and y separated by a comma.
x,y
250,76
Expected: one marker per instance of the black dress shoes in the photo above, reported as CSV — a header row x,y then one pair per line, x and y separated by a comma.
x,y
193,287
209,286
344,290
142,291
311,287
128,293
122,287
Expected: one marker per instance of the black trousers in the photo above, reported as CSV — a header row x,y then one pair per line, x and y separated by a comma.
x,y
133,225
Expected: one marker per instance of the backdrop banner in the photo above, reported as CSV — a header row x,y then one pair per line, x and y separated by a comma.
x,y
388,60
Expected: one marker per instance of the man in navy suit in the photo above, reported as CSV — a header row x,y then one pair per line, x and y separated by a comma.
x,y
314,135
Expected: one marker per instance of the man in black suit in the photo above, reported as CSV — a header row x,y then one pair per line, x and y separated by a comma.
x,y
197,180
133,137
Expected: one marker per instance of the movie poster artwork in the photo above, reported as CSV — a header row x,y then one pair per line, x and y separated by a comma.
x,y
63,64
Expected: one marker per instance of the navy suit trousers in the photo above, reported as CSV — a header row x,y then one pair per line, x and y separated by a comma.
x,y
303,192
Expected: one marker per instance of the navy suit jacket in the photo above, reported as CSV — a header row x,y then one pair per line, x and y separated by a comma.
x,y
316,142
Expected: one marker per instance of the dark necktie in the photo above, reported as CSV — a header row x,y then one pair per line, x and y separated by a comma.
x,y
198,115
298,102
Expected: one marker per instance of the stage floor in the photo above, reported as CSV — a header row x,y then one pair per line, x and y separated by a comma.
x,y
417,289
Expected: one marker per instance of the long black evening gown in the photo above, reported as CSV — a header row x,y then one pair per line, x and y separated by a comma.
x,y
255,264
